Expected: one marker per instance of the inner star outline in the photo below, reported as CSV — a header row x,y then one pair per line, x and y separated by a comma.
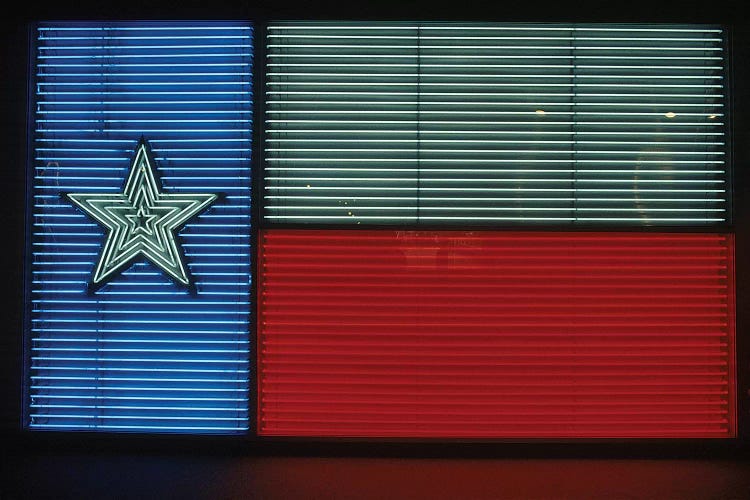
x,y
142,220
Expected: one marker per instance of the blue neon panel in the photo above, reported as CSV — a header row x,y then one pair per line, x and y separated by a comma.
x,y
141,353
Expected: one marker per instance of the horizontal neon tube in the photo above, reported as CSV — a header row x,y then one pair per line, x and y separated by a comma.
x,y
428,178
168,37
421,55
413,65
130,320
475,199
296,375
519,37
164,103
152,302
136,407
141,341
354,131
148,56
303,217
475,94
108,30
502,209
498,160
136,47
517,123
145,65
128,141
477,103
443,150
171,158
239,372
146,130
546,66
149,92
157,361
145,388
497,141
432,170
143,398
313,26
169,333
566,47
148,417
145,120
159,312
514,84
453,112
515,190
128,84
299,237
126,293
71,273
140,379
327,36
399,430
171,427
44,168
126,112
705,298
437,76
136,417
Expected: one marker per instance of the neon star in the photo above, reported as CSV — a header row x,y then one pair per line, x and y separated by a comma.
x,y
141,220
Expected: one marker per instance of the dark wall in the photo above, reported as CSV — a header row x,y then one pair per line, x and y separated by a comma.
x,y
14,64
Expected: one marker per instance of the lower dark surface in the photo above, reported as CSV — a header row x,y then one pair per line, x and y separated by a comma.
x,y
181,475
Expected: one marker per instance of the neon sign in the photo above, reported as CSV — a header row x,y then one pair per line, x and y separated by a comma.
x,y
142,220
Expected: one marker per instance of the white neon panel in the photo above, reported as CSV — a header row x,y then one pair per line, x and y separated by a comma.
x,y
505,123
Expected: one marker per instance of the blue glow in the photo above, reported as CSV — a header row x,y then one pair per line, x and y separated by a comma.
x,y
140,428
141,354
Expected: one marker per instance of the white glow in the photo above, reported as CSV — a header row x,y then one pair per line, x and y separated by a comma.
x,y
644,76
464,27
354,131
472,151
526,105
512,84
474,122
496,141
633,76
644,189
473,48
494,160
169,213
498,218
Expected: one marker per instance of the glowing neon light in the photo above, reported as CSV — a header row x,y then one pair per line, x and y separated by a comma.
x,y
141,220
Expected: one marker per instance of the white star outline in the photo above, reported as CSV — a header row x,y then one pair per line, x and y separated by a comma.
x,y
141,198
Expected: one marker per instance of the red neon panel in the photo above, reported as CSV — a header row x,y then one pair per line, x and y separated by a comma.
x,y
495,334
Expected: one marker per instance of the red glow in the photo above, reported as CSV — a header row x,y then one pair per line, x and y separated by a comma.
x,y
495,334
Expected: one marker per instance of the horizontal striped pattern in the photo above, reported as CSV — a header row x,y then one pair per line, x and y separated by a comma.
x,y
142,353
451,334
469,123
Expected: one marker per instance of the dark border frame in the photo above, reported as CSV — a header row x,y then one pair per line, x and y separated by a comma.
x,y
720,12
28,220
256,180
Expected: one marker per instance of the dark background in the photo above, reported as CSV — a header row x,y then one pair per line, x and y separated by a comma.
x,y
81,465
